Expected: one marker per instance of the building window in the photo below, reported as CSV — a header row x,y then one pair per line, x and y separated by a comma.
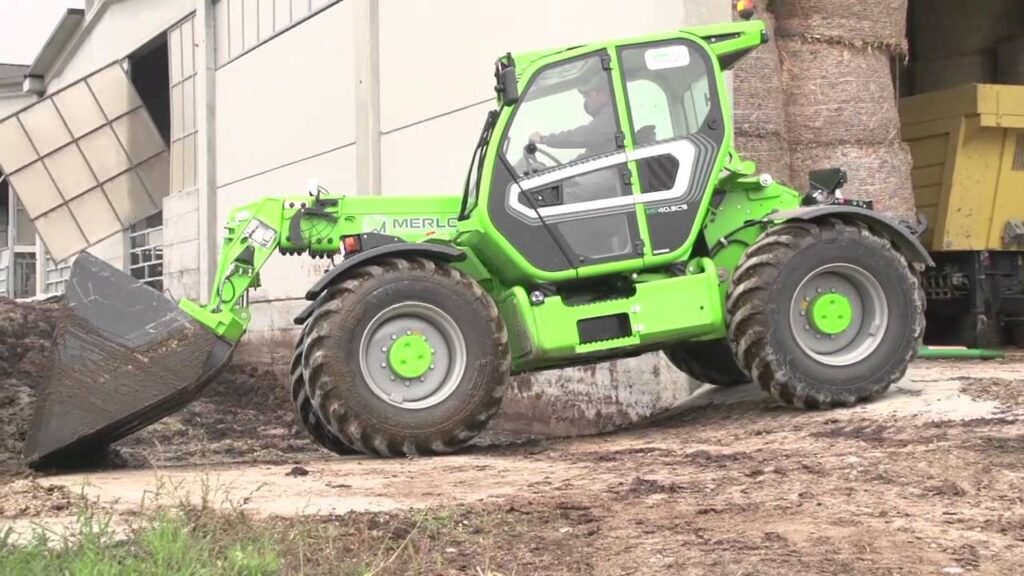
x,y
245,24
24,230
24,275
55,277
5,212
146,251
183,126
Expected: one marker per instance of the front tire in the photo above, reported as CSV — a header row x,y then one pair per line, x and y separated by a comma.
x,y
825,313
406,357
304,411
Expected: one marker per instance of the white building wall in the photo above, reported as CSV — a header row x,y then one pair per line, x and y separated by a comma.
x,y
437,58
286,114
114,33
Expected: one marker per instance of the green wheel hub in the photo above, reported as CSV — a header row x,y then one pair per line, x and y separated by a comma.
x,y
831,313
839,314
411,356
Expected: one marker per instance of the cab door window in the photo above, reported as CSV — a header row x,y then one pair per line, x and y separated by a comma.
x,y
568,179
677,134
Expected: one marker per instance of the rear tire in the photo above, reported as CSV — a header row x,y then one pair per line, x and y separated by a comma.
x,y
304,411
791,265
710,362
380,408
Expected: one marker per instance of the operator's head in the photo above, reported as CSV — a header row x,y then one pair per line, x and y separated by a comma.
x,y
596,94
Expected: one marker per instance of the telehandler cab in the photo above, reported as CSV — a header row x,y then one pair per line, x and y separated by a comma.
x,y
606,214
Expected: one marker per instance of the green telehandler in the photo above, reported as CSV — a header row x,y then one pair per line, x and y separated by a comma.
x,y
605,215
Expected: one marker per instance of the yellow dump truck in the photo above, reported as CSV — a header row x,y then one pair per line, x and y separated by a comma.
x,y
968,148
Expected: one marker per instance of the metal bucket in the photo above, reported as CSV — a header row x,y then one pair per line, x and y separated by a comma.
x,y
125,357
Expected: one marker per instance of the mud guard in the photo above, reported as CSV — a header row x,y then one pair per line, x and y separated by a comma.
x,y
909,245
441,252
126,356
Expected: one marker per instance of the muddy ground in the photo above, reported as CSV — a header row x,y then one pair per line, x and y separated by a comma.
x,y
929,480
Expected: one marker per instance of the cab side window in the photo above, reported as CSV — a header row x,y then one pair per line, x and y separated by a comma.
x,y
569,112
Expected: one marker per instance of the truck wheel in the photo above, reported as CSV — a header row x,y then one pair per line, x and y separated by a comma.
x,y
825,313
406,357
304,411
709,362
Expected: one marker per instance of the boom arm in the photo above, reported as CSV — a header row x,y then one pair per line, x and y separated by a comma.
x,y
253,234
312,226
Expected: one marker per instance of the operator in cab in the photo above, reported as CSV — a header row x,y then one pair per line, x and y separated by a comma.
x,y
595,137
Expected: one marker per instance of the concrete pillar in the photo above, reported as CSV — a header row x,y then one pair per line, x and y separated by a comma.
x,y
367,53
206,146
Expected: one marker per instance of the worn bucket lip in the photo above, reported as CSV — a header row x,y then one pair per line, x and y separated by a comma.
x,y
140,419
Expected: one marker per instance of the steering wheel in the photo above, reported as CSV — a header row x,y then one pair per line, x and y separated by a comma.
x,y
530,154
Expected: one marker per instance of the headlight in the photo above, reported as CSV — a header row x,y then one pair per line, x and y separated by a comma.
x,y
260,234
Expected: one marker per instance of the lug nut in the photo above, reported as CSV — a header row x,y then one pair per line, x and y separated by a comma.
x,y
384,349
394,337
383,364
408,332
431,366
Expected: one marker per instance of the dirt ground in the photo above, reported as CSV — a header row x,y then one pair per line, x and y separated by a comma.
x,y
928,480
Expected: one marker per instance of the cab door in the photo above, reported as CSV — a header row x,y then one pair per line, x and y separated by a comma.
x,y
561,191
678,132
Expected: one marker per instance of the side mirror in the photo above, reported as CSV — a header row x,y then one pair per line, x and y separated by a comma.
x,y
506,85
509,87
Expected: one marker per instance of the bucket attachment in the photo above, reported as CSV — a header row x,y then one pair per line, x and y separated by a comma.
x,y
125,357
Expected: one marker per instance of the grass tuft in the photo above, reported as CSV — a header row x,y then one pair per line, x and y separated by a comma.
x,y
165,542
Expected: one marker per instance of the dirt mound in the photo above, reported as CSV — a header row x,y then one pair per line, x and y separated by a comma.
x,y
26,332
245,415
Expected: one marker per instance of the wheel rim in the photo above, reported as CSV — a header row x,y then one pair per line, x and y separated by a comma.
x,y
839,314
412,355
